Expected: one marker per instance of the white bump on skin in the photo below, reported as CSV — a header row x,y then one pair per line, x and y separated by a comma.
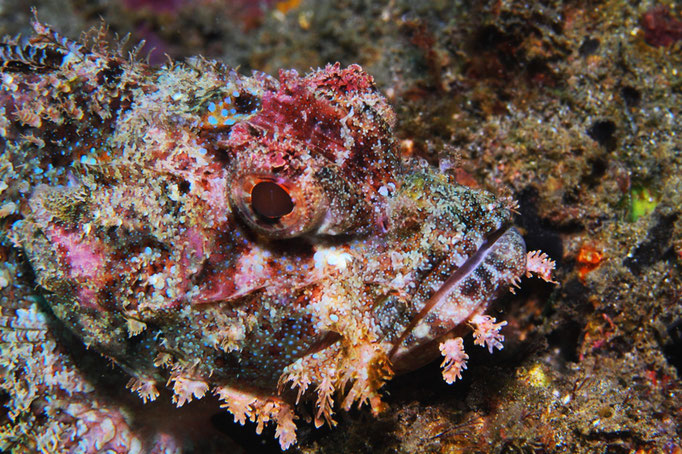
x,y
331,257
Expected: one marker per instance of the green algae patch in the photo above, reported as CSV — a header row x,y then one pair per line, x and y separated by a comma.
x,y
643,201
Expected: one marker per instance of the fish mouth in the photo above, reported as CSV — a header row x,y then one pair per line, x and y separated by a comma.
x,y
495,265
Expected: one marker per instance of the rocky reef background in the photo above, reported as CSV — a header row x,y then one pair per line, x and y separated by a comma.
x,y
574,109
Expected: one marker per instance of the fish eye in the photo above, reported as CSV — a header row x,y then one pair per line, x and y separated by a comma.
x,y
277,206
271,200
280,201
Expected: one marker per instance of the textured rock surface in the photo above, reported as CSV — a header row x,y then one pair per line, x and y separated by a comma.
x,y
575,109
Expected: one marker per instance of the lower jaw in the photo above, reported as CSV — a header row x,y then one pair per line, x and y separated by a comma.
x,y
503,251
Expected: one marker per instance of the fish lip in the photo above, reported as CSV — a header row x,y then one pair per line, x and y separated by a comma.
x,y
469,265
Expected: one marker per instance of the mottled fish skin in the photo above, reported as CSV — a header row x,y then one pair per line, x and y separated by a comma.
x,y
252,236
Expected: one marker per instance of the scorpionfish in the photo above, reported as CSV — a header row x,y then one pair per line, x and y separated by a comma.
x,y
253,237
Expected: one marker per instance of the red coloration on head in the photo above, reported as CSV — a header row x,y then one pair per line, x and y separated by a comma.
x,y
325,139
344,81
294,112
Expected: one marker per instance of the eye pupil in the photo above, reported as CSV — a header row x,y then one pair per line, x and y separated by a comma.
x,y
270,200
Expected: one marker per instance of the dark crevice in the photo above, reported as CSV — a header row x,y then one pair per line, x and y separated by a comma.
x,y
566,337
604,133
657,246
538,234
673,348
589,47
245,435
631,96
